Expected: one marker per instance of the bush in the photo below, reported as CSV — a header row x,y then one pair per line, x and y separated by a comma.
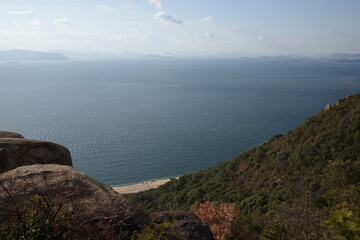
x,y
222,219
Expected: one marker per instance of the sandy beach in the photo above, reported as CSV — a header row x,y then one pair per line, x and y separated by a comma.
x,y
140,186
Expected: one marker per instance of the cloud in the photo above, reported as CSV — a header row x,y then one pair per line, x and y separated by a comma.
x,y
125,8
156,3
35,23
146,36
129,5
209,34
105,7
208,19
63,21
167,18
261,38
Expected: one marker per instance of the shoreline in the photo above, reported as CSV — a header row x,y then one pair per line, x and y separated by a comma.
x,y
140,187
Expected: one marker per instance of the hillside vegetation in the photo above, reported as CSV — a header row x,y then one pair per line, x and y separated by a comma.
x,y
301,185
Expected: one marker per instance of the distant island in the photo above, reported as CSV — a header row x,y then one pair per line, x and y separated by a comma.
x,y
26,55
344,57
17,55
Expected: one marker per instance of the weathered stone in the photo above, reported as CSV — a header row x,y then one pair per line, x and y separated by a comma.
x,y
340,101
16,152
10,135
34,178
327,107
186,226
98,206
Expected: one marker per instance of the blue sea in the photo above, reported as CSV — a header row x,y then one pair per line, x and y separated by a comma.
x,y
129,121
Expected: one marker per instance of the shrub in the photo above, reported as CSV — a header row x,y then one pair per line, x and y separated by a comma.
x,y
222,219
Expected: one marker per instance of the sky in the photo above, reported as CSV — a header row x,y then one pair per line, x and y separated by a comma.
x,y
182,27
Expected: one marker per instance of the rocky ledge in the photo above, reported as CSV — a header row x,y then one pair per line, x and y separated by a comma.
x,y
186,225
16,151
43,197
10,135
90,204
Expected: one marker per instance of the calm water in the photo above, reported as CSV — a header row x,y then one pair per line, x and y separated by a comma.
x,y
135,120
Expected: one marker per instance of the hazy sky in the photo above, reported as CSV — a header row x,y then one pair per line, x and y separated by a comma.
x,y
182,27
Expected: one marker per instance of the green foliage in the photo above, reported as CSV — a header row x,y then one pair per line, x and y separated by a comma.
x,y
154,232
341,183
345,225
274,231
318,156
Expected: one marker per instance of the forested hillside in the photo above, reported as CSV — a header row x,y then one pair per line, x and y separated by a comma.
x,y
301,185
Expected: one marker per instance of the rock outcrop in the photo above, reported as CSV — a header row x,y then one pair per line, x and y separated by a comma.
x,y
186,225
16,152
327,107
96,205
10,135
338,103
41,194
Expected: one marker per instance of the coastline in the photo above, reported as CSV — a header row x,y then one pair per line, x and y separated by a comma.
x,y
140,187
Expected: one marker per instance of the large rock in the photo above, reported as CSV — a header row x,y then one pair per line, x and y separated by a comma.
x,y
92,209
16,152
10,135
186,225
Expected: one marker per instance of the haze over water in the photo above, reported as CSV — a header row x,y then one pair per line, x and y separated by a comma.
x,y
130,121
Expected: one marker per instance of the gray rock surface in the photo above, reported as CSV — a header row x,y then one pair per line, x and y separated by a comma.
x,y
39,186
10,135
186,226
16,152
98,205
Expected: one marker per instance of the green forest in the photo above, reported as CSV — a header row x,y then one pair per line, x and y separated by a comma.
x,y
301,185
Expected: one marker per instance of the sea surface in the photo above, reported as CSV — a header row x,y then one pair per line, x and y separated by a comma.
x,y
129,121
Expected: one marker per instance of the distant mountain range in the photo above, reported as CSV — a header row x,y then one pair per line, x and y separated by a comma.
x,y
344,57
26,55
74,55
16,55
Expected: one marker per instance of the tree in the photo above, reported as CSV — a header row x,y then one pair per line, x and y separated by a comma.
x,y
344,224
